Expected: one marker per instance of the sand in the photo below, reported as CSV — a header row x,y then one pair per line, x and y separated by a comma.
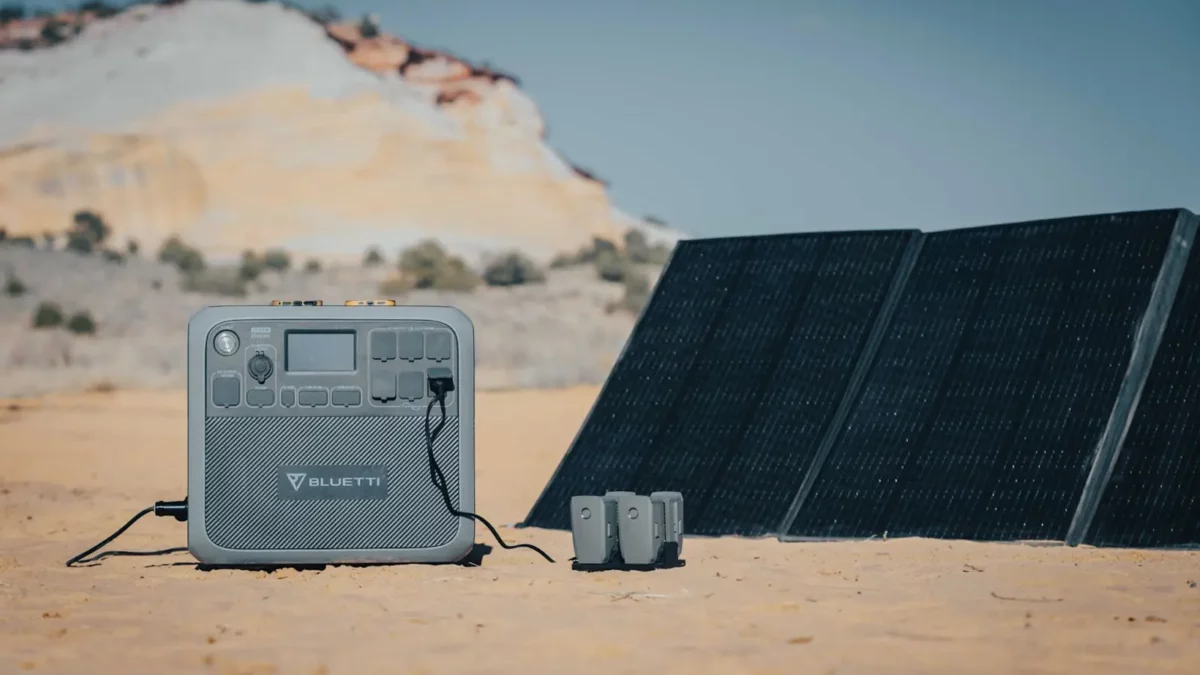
x,y
74,467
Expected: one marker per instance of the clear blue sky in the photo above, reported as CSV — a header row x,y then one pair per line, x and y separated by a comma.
x,y
776,116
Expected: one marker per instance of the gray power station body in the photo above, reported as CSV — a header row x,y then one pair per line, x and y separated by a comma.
x,y
307,434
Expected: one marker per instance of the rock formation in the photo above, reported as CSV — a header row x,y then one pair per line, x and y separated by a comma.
x,y
245,125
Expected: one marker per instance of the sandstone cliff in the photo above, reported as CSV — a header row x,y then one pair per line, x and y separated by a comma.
x,y
245,125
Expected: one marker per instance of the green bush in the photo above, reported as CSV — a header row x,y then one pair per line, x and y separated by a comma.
x,y
184,257
513,269
224,281
428,265
132,247
112,256
89,224
599,248
252,266
637,293
79,243
13,286
313,266
277,259
47,315
639,250
613,267
373,257
23,240
82,323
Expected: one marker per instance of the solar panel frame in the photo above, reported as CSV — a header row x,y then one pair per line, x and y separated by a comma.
x,y
1116,509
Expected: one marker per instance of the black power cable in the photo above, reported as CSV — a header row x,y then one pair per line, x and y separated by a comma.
x,y
440,388
177,510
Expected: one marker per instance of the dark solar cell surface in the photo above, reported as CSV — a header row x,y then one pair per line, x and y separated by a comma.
x,y
1153,496
980,417
809,297
831,318
648,379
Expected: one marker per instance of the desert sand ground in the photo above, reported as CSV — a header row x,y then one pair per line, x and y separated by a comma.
x,y
74,467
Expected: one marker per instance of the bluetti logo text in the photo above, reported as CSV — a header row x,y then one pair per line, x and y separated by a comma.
x,y
332,482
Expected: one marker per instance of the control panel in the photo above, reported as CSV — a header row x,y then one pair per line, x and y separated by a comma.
x,y
340,367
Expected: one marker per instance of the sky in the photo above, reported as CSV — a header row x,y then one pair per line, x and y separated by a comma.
x,y
761,116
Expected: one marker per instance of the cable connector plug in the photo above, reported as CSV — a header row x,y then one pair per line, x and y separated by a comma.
x,y
176,509
441,382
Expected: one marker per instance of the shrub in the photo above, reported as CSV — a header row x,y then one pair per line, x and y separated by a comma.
x,y
89,224
313,266
175,252
639,250
428,265
513,269
13,286
79,243
82,323
599,248
276,259
252,266
637,293
225,281
112,256
613,267
24,241
132,247
47,315
373,257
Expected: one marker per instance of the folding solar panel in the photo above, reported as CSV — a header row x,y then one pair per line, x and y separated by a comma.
x,y
831,322
731,376
647,380
998,375
1152,496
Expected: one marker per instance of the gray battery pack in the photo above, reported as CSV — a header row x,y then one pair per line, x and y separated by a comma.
x,y
672,509
594,529
640,529
626,531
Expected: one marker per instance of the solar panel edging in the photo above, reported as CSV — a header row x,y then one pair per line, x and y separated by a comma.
x,y
1145,350
592,410
850,396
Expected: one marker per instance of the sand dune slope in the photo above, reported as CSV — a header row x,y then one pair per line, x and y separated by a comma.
x,y
72,468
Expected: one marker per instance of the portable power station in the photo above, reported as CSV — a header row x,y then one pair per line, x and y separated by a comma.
x,y
308,434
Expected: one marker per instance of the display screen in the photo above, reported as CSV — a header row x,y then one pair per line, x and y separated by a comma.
x,y
320,352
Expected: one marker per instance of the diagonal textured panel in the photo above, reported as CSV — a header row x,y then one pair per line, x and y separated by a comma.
x,y
242,455
1153,496
832,297
998,375
647,380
